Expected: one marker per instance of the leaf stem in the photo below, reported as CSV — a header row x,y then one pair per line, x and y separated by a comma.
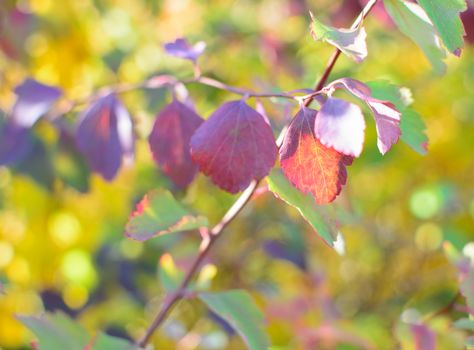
x,y
172,299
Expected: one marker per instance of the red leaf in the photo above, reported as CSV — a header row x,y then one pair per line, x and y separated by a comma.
x,y
169,142
309,165
234,146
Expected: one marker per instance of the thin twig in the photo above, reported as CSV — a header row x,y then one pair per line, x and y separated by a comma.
x,y
172,299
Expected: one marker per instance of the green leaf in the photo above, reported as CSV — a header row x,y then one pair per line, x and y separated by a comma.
x,y
159,213
305,204
412,21
107,342
240,311
169,274
56,331
444,14
412,125
464,323
350,41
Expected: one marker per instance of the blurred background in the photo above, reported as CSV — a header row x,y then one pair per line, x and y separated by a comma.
x,y
61,228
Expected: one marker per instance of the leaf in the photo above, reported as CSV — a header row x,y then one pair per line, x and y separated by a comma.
x,y
282,189
412,21
169,142
467,290
234,146
445,15
341,125
425,338
159,213
106,342
238,309
104,136
169,274
34,99
464,323
15,143
411,125
386,116
350,41
183,49
56,331
309,165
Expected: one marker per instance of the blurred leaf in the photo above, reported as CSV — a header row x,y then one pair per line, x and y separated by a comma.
x,y
464,323
34,100
183,49
467,290
412,125
107,342
159,213
445,15
281,187
239,310
412,21
350,41
424,338
56,332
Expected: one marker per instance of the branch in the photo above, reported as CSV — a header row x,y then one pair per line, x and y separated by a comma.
x,y
241,202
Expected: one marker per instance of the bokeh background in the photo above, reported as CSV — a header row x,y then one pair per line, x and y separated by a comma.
x,y
61,228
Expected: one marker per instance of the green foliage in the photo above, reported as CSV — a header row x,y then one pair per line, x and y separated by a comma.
x,y
240,311
412,21
305,204
159,213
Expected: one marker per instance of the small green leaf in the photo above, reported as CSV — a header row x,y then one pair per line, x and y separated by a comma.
x,y
412,21
240,311
281,187
412,125
56,332
159,213
445,16
107,342
169,274
464,323
350,41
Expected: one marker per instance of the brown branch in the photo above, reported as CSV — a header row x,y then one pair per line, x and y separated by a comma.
x,y
172,299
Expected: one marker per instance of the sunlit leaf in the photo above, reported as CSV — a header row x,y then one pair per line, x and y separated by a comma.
x,y
279,185
445,15
411,124
159,213
169,142
234,146
350,41
309,165
34,99
386,116
341,125
412,21
239,310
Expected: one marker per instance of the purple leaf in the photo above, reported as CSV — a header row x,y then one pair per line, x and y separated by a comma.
x,y
169,142
183,49
387,117
15,142
105,135
425,338
341,125
234,146
34,100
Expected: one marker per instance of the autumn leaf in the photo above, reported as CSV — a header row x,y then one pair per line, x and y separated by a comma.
x,y
169,142
350,41
308,164
183,49
341,125
234,146
104,136
386,115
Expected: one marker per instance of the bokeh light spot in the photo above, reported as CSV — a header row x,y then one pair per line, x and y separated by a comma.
x,y
425,203
75,295
6,254
64,228
77,267
428,236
